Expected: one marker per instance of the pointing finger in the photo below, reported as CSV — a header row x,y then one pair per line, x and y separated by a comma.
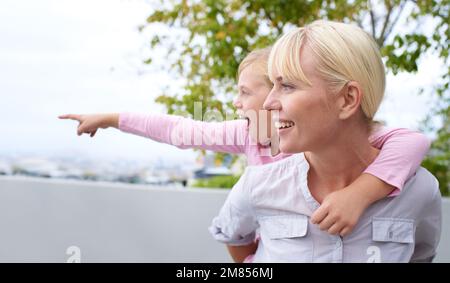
x,y
70,116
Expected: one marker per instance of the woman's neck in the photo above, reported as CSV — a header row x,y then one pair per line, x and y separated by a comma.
x,y
340,163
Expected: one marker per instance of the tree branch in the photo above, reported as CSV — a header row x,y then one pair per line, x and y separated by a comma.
x,y
394,22
380,39
267,14
372,19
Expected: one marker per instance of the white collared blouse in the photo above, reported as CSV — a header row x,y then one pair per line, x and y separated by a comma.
x,y
275,199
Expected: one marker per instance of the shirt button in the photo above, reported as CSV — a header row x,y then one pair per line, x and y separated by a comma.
x,y
338,244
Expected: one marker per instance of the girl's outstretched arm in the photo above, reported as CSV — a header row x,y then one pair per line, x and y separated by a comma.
x,y
228,136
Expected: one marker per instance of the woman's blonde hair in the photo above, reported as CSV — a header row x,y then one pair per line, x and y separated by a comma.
x,y
342,52
259,59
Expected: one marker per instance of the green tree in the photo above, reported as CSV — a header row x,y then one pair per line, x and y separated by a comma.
x,y
438,160
220,33
224,182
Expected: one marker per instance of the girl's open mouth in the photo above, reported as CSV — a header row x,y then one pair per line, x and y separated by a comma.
x,y
241,114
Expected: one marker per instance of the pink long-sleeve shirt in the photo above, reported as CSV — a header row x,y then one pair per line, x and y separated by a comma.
x,y
401,150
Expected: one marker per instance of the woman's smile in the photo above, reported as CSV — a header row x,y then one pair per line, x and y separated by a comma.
x,y
284,126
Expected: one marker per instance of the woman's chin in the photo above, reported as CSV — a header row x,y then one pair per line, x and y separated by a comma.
x,y
286,148
289,148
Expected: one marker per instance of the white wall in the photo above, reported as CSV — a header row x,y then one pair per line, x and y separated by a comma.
x,y
41,218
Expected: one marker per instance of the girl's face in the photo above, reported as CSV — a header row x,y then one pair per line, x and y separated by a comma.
x,y
308,117
253,91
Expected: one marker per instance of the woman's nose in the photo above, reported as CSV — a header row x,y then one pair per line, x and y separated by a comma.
x,y
272,102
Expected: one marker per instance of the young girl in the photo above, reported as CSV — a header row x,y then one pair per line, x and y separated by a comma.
x,y
401,150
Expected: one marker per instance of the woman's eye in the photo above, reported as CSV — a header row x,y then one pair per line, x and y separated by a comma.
x,y
287,87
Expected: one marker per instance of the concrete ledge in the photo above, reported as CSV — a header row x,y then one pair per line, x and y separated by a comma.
x,y
51,220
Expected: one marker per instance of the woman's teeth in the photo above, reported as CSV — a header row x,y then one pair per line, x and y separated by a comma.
x,y
283,125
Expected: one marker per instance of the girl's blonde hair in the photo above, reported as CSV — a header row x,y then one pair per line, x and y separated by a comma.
x,y
342,52
258,58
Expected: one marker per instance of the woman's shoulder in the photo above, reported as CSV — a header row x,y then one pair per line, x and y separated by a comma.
x,y
419,193
423,184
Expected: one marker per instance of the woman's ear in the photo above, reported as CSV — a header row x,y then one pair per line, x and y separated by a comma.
x,y
349,100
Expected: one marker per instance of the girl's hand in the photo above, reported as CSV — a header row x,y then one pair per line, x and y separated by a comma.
x,y
90,123
340,211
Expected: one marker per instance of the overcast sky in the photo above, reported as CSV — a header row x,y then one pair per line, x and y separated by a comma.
x,y
80,56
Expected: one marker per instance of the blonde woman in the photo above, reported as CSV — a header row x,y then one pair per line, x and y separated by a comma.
x,y
328,83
